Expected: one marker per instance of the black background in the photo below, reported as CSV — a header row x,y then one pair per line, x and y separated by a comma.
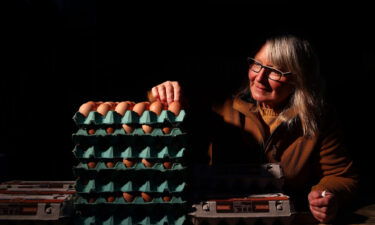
x,y
61,53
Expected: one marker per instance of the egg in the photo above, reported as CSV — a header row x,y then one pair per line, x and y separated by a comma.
x,y
128,162
97,104
103,109
156,107
166,198
175,107
128,128
167,165
91,200
111,199
140,107
86,108
112,105
147,163
110,164
91,164
146,197
166,130
129,197
122,107
147,128
110,130
91,131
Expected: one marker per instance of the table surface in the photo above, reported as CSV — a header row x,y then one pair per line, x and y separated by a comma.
x,y
363,215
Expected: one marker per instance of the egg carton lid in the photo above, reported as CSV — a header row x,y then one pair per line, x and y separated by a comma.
x,y
131,186
129,152
130,117
133,219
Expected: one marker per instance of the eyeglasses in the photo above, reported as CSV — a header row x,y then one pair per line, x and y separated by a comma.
x,y
273,74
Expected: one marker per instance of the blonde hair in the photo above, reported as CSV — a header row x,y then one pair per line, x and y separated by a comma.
x,y
297,56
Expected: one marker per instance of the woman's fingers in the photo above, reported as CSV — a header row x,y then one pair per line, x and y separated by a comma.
x,y
167,92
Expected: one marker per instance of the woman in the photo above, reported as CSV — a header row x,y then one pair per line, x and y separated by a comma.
x,y
280,117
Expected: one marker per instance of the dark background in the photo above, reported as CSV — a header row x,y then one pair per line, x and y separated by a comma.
x,y
61,53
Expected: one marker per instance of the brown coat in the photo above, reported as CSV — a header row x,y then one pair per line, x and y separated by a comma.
x,y
319,162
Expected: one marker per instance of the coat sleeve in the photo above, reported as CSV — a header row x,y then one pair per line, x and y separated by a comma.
x,y
338,174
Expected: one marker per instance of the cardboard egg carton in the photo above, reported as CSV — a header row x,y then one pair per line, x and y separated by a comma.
x,y
118,199
268,209
138,141
120,166
132,219
140,185
121,152
130,117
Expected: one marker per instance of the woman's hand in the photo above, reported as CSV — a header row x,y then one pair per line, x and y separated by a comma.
x,y
323,205
167,92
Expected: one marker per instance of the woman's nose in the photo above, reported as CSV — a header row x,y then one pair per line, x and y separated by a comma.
x,y
262,75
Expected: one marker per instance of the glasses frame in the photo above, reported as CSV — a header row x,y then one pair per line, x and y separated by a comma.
x,y
252,61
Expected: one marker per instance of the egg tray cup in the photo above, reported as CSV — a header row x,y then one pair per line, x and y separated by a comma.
x,y
171,152
131,218
139,185
130,117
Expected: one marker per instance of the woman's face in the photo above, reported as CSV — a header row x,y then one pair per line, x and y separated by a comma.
x,y
268,92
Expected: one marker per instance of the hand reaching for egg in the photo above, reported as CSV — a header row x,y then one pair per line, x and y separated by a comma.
x,y
167,92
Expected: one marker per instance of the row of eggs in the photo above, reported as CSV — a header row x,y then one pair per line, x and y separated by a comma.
x,y
129,163
121,107
130,196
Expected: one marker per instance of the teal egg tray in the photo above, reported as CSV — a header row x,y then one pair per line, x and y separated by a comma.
x,y
130,117
94,186
128,152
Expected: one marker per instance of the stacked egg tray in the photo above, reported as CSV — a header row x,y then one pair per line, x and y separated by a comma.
x,y
133,177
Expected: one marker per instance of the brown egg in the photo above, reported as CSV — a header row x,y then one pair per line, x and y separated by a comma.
x,y
166,130
97,104
140,107
129,197
103,109
147,163
156,107
147,128
167,198
131,104
146,197
167,165
110,164
86,108
122,107
111,198
128,128
128,162
110,130
175,107
112,105
91,164
91,200
91,131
